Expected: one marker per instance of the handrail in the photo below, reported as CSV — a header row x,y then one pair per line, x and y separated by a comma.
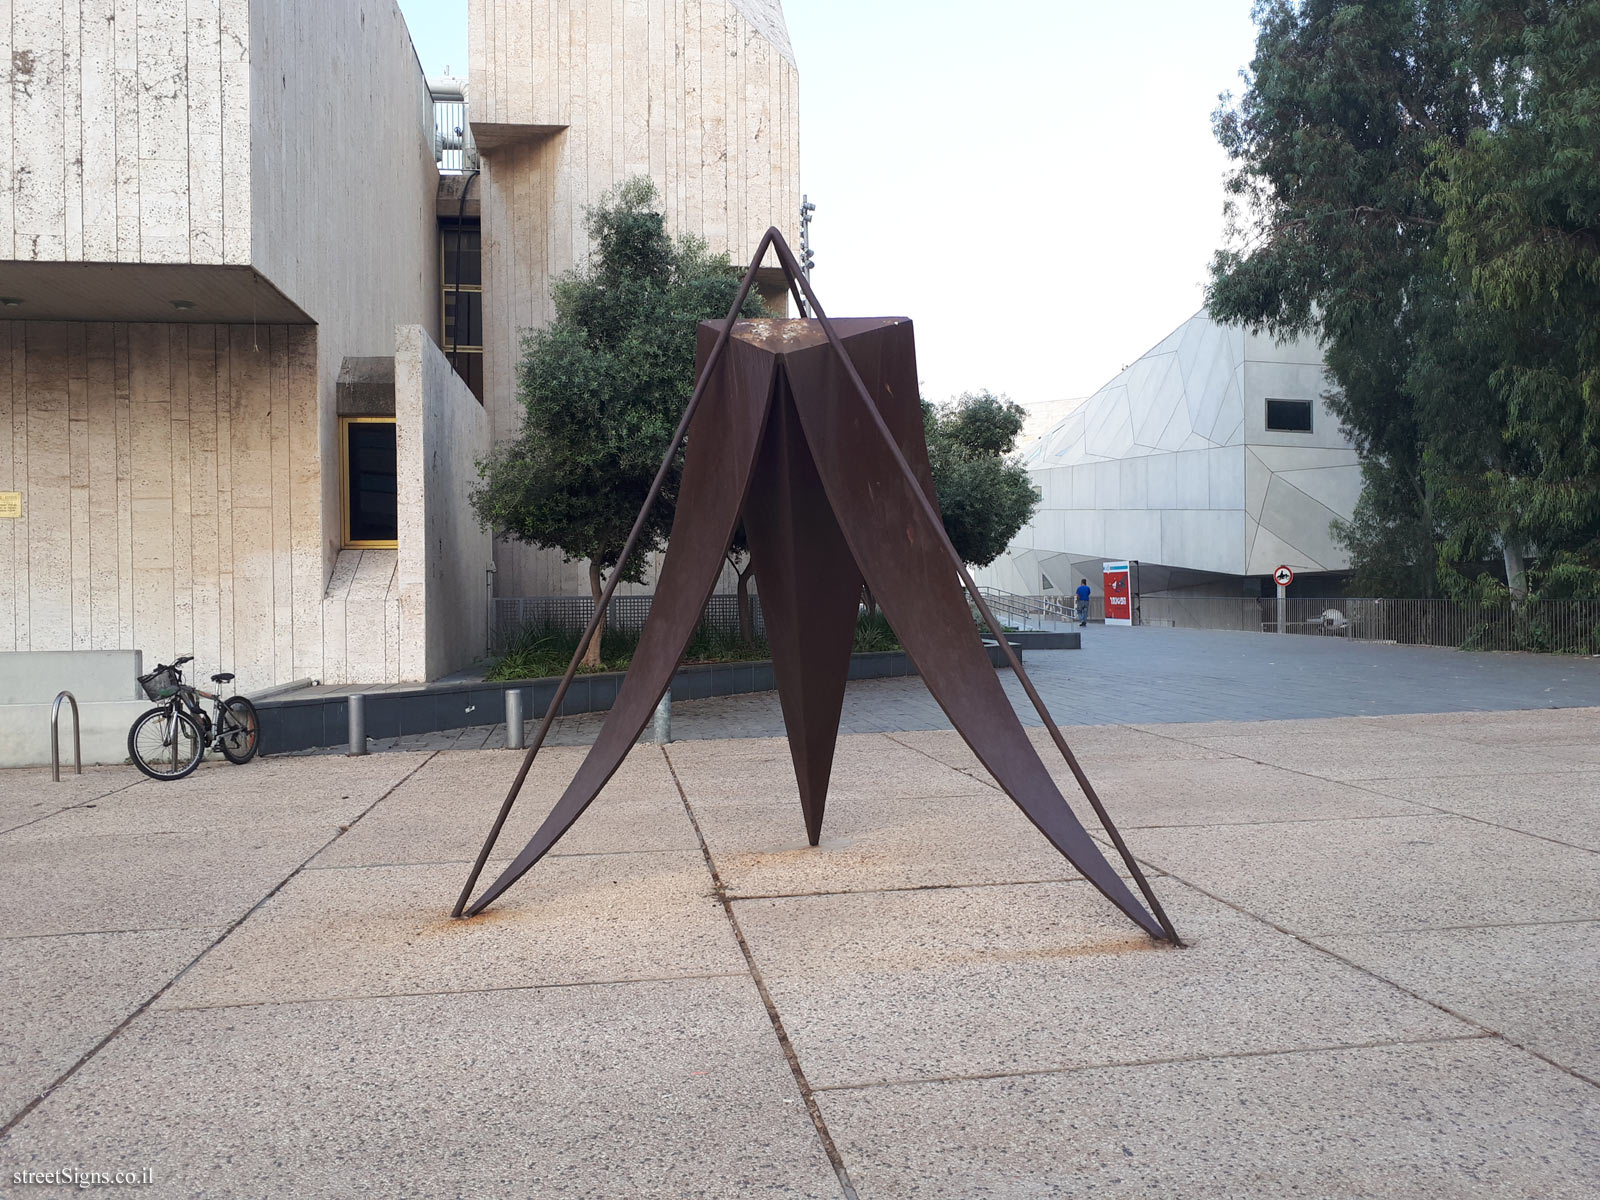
x,y
55,736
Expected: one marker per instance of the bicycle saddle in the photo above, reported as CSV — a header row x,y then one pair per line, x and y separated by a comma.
x,y
225,677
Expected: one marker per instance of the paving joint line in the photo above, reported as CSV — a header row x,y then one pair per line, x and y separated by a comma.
x,y
1305,940
116,1031
806,1091
483,991
981,1076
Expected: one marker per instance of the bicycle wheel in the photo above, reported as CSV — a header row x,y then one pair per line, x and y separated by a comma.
x,y
238,730
165,744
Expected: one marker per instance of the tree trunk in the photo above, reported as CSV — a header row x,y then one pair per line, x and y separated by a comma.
x,y
747,616
591,657
869,600
1516,569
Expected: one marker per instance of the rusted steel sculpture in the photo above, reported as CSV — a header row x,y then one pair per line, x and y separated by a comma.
x,y
810,431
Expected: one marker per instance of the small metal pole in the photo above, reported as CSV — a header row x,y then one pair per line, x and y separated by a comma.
x,y
55,736
663,720
1283,605
514,729
357,706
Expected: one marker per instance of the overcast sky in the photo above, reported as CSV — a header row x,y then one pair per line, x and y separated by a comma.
x,y
1034,182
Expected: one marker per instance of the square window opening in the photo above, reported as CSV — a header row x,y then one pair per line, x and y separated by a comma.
x,y
1289,416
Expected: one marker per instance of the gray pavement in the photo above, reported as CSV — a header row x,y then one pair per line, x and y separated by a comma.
x,y
1154,675
246,982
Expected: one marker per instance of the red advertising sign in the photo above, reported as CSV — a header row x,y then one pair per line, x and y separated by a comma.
x,y
1119,594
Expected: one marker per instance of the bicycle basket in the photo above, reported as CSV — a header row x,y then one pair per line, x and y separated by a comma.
x,y
160,684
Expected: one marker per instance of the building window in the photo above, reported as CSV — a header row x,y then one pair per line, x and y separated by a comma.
x,y
461,301
370,481
1289,416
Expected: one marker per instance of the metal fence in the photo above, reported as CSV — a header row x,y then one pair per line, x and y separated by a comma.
x,y
1552,626
572,614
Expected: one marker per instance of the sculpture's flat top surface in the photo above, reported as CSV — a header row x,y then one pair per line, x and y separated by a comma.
x,y
784,334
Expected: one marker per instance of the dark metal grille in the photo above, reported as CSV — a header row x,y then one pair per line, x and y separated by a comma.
x,y
572,613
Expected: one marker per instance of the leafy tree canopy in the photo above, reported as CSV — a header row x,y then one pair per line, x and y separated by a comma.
x,y
985,495
1416,183
603,386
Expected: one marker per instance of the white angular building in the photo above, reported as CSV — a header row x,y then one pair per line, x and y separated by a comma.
x,y
1211,461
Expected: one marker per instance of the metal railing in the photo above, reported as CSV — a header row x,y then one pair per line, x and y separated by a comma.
x,y
453,147
1549,626
1039,609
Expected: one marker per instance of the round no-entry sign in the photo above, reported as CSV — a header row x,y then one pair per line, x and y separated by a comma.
x,y
1283,576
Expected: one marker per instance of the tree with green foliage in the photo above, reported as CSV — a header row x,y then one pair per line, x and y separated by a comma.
x,y
984,493
1414,183
603,387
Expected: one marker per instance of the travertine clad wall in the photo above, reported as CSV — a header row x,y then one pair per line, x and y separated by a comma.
x,y
125,131
569,97
171,500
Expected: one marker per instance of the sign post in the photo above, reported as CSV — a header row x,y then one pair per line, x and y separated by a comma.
x,y
1283,577
1119,593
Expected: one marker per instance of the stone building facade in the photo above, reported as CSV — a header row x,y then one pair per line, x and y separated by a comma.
x,y
221,277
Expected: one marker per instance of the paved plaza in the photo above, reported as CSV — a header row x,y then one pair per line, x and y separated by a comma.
x,y
246,982
1149,675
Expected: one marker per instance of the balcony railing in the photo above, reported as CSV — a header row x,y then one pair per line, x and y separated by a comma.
x,y
453,147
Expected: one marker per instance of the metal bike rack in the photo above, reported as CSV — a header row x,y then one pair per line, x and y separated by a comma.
x,y
55,736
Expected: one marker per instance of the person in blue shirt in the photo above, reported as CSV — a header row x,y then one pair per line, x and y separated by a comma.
x,y
1083,602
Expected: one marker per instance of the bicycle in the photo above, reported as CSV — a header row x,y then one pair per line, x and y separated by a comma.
x,y
168,741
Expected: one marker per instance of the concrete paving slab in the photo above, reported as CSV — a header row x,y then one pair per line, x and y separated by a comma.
x,y
1538,985
896,986
377,931
871,843
28,793
444,811
1468,1120
1563,805
77,882
269,794
1096,746
1227,791
656,1089
62,995
864,766
1371,751
1382,873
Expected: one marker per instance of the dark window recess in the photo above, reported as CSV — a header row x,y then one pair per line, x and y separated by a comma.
x,y
372,480
1289,416
463,319
469,365
467,261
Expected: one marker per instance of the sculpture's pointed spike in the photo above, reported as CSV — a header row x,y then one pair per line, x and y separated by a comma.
x,y
809,588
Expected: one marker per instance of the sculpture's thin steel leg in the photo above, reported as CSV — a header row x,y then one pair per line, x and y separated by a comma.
x,y
726,437
809,588
709,361
896,543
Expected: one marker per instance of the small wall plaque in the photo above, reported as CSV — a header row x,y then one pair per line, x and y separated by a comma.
x,y
11,505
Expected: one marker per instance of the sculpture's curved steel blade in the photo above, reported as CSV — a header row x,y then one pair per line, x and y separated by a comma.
x,y
809,588
909,569
723,441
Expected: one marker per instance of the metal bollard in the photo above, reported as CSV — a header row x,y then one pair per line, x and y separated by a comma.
x,y
663,720
514,729
357,706
55,736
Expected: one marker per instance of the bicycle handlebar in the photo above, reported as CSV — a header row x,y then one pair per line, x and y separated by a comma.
x,y
184,659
